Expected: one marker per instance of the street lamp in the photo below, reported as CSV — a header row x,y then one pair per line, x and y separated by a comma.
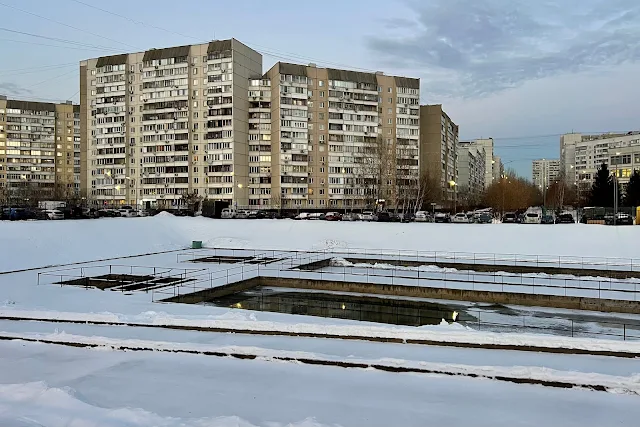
x,y
452,184
135,193
615,189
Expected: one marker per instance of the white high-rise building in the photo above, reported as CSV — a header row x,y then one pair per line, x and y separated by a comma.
x,y
158,124
545,172
582,155
487,144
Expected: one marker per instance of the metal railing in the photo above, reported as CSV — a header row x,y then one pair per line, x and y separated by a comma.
x,y
603,264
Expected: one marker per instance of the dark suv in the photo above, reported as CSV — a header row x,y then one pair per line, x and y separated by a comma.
x,y
510,218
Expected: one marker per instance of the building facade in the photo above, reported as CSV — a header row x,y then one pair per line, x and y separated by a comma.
x,y
39,151
545,172
497,169
205,120
624,160
165,123
471,169
438,148
341,139
582,155
488,145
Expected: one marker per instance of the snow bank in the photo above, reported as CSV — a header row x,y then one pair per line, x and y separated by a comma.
x,y
37,405
444,332
38,243
619,384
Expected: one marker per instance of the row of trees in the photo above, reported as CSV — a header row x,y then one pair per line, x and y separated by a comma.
x,y
604,188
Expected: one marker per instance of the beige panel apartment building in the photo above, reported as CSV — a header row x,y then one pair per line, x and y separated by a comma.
x,y
39,150
471,169
204,119
340,139
438,148
160,124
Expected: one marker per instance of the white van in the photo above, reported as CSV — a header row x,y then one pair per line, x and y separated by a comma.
x,y
228,213
533,218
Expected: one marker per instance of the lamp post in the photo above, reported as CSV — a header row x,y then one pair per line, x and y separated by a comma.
x,y
135,194
615,190
452,184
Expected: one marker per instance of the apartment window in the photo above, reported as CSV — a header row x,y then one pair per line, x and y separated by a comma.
x,y
195,115
390,100
195,82
320,83
321,105
390,111
389,121
195,180
390,90
195,104
321,94
195,71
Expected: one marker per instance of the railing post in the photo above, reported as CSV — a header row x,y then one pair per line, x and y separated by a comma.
x,y
624,331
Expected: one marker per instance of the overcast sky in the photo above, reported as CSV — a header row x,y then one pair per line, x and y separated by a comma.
x,y
520,71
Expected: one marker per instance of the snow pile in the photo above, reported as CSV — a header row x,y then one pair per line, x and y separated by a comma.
x,y
37,405
39,243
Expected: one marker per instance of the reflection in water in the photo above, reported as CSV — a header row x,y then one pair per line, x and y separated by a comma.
x,y
334,305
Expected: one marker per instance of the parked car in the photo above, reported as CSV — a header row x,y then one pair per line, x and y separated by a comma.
x,y
128,211
333,216
409,217
532,218
366,216
547,219
54,214
108,213
460,218
622,219
252,215
228,213
242,214
442,217
510,218
565,218
349,217
484,218
422,216
471,217
316,216
383,217
301,215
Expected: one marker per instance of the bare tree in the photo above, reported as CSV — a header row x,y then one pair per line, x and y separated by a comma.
x,y
276,201
192,200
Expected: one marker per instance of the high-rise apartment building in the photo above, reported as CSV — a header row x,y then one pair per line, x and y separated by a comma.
x,y
582,155
39,150
438,148
488,145
471,168
160,124
545,172
204,119
340,139
497,169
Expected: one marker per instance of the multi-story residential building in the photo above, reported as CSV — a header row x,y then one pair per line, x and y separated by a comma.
x,y
438,148
545,172
624,159
204,119
39,150
160,124
471,168
582,155
489,174
497,169
341,139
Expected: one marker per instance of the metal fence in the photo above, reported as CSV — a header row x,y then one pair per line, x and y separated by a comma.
x,y
604,264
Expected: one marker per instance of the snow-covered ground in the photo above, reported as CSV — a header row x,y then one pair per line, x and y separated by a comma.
x,y
55,385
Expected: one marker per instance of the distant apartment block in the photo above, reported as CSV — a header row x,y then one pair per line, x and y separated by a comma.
x,y
438,148
471,168
624,160
582,155
545,172
39,150
497,169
